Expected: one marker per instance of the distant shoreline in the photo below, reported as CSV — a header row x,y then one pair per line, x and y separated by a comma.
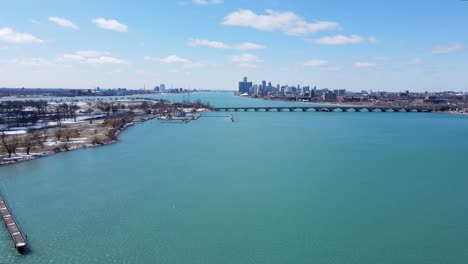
x,y
136,96
338,104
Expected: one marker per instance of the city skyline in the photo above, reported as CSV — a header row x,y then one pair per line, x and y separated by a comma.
x,y
209,44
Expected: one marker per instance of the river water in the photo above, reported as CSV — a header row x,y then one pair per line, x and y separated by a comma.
x,y
272,187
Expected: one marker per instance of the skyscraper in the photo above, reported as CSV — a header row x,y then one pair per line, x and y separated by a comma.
x,y
244,86
340,92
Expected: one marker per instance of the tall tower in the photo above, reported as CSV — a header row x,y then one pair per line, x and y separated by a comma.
x,y
245,86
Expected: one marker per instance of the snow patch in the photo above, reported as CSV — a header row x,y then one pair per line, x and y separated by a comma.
x,y
17,132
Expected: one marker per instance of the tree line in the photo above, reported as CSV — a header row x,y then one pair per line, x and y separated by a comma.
x,y
10,143
29,112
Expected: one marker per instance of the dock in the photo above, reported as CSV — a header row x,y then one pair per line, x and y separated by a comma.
x,y
16,235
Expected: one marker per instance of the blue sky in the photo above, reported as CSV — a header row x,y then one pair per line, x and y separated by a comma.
x,y
355,45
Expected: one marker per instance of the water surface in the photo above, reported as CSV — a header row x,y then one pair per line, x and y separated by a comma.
x,y
269,188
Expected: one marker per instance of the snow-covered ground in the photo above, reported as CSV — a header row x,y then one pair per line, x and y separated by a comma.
x,y
41,125
26,128
76,142
79,119
72,141
16,132
23,156
78,139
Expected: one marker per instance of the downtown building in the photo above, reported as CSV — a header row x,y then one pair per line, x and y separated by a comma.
x,y
245,86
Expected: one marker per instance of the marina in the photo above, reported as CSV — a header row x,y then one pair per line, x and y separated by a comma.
x,y
178,116
184,119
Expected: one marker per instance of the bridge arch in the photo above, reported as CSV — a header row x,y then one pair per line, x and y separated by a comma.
x,y
325,109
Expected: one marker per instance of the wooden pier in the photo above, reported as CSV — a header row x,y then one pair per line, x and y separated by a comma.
x,y
13,228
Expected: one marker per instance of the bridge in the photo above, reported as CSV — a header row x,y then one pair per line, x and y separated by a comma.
x,y
323,109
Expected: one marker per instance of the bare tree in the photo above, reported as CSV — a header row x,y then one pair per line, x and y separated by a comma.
x,y
104,107
58,134
111,134
58,116
115,108
9,143
96,140
73,109
114,122
28,142
144,106
70,133
39,139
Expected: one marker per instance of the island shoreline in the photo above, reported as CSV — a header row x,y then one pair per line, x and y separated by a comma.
x,y
87,146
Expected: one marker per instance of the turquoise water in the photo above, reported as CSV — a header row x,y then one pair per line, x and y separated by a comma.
x,y
269,188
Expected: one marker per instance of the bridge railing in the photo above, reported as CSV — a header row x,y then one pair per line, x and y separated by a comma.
x,y
324,109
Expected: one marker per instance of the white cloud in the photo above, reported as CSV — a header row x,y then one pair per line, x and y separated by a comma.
x,y
248,46
285,22
9,35
91,53
91,57
416,61
32,62
364,65
105,60
149,58
206,2
186,63
316,63
454,47
381,58
174,59
222,45
35,22
373,40
110,24
208,43
332,69
63,22
246,60
338,40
